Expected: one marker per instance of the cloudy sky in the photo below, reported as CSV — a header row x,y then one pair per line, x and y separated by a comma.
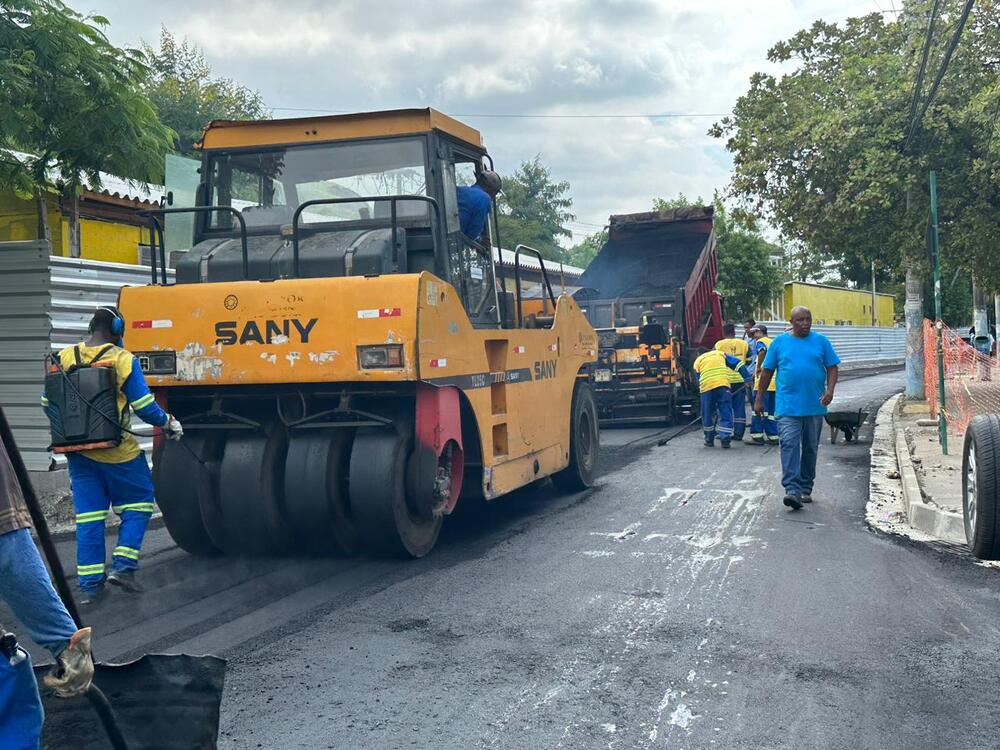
x,y
590,71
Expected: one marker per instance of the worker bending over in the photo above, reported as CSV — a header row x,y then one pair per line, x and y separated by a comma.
x,y
739,385
713,369
26,589
117,476
763,426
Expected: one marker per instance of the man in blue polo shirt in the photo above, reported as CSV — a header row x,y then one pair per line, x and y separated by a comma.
x,y
807,376
474,203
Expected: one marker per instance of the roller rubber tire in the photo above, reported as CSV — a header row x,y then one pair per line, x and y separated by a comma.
x,y
981,486
251,483
384,520
584,443
316,499
177,479
208,491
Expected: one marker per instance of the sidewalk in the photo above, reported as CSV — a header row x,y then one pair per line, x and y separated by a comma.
x,y
915,490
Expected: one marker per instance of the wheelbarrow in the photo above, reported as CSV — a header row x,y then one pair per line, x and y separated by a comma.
x,y
158,702
848,422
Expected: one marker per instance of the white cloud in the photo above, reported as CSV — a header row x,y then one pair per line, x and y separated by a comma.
x,y
522,56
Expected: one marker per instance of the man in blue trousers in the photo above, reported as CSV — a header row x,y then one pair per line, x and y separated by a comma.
x,y
25,588
806,365
117,478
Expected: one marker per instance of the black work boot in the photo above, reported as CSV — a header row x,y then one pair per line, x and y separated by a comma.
x,y
88,597
125,580
806,498
793,502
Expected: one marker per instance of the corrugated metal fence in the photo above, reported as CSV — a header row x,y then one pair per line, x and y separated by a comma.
x,y
45,305
857,345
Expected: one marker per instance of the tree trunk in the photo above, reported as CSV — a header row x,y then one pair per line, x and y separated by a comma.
x,y
74,225
914,309
42,214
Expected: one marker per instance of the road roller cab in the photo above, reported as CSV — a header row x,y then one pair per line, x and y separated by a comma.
x,y
347,363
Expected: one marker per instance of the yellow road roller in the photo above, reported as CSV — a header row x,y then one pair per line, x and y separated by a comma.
x,y
346,363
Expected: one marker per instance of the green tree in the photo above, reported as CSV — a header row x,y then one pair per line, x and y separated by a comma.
x,y
581,254
681,201
187,97
75,103
534,209
820,151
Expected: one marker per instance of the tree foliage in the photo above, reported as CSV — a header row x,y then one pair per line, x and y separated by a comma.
x,y
186,95
73,101
534,209
819,151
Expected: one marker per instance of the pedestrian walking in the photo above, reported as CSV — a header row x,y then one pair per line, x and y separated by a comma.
x,y
806,367
713,369
26,588
116,476
763,426
739,386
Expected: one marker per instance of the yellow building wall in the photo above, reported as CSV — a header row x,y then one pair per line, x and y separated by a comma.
x,y
99,240
832,306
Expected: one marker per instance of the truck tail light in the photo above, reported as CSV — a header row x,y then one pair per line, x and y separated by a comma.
x,y
380,357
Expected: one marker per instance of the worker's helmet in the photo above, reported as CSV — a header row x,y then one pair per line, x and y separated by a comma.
x,y
490,181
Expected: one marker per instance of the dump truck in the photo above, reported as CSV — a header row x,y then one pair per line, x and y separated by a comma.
x,y
650,293
345,362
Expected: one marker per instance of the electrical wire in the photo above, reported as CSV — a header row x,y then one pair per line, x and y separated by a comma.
x,y
919,84
944,66
652,116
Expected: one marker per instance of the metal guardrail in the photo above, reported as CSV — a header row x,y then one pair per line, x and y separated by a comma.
x,y
856,345
46,303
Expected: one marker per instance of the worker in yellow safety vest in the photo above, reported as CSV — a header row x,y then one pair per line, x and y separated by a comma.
x,y
763,427
713,369
738,386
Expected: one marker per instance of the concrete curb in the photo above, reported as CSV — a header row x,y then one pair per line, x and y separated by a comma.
x,y
922,516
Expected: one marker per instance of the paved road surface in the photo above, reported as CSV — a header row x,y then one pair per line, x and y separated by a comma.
x,y
677,604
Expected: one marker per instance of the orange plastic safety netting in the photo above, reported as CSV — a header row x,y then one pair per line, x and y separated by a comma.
x,y
971,377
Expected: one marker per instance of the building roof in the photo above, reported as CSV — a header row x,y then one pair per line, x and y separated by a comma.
x,y
111,186
223,134
506,257
839,288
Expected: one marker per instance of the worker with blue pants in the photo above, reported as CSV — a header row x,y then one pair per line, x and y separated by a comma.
x,y
117,477
738,384
763,427
713,369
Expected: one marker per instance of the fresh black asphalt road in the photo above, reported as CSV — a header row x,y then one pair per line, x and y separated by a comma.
x,y
676,604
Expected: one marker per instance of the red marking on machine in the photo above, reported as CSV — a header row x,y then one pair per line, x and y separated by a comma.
x,y
518,350
438,432
152,324
381,312
439,362
553,347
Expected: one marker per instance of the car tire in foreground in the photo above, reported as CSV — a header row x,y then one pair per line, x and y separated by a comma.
x,y
981,486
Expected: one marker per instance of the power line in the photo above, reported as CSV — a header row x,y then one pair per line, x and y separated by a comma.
x,y
654,116
920,73
944,65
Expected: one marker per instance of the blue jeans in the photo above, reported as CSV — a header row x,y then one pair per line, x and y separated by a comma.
x,y
799,448
717,400
26,588
126,488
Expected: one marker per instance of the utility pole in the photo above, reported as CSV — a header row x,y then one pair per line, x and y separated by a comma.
x,y
914,306
939,324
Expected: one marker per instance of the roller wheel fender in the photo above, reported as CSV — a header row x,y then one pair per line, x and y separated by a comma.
x,y
981,486
584,442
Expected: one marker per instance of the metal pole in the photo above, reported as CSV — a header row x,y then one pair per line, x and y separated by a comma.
x,y
874,299
939,325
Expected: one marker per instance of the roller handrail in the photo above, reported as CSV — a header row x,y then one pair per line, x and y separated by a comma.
x,y
393,218
155,226
517,279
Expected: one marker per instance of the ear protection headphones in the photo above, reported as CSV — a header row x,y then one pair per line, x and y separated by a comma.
x,y
117,321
